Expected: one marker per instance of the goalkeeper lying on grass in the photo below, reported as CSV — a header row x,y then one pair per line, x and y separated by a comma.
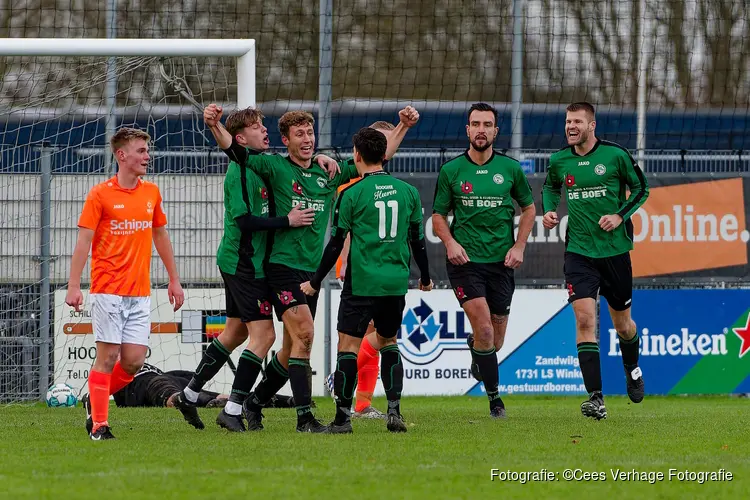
x,y
152,387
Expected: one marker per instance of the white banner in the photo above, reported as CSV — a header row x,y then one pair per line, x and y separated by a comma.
x,y
433,337
176,342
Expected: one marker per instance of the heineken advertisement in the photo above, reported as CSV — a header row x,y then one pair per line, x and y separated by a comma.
x,y
692,342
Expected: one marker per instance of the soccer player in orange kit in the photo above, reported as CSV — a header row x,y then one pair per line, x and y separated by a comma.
x,y
120,219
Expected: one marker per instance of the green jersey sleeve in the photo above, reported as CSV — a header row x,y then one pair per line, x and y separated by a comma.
x,y
551,190
416,229
261,165
342,216
636,181
348,172
521,191
443,196
238,203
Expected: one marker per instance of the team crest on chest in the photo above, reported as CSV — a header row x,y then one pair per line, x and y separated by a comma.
x,y
600,169
498,178
149,207
321,182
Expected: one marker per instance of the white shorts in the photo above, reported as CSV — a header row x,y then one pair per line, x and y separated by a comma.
x,y
121,320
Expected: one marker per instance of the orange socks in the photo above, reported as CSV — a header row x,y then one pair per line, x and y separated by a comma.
x,y
99,396
120,378
367,374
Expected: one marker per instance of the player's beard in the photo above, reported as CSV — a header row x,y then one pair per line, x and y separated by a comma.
x,y
583,136
483,147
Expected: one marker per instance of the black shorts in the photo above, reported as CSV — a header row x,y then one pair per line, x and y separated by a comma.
x,y
612,277
356,312
495,282
247,298
285,292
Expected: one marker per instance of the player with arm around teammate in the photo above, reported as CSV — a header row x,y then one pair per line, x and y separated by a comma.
x,y
240,257
295,255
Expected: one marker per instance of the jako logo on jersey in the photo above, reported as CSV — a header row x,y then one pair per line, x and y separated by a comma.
x,y
600,169
263,193
425,334
677,344
296,188
118,206
479,172
466,187
570,181
499,179
129,225
321,182
583,163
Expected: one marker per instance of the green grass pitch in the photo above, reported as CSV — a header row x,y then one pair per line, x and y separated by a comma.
x,y
448,452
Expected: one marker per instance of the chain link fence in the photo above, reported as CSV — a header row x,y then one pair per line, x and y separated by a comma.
x,y
21,340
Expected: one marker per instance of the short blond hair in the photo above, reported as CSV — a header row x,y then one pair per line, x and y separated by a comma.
x,y
383,125
243,118
294,119
125,135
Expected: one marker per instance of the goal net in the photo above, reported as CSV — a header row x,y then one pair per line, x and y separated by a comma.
x,y
59,112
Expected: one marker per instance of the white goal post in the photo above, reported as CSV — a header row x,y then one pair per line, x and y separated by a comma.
x,y
41,207
242,49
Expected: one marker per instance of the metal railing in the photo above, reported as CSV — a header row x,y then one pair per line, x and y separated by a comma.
x,y
74,160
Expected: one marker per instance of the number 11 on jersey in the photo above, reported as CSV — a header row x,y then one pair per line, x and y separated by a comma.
x,y
393,205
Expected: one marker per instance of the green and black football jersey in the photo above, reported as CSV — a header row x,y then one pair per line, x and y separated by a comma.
x,y
244,193
596,184
481,198
382,214
299,247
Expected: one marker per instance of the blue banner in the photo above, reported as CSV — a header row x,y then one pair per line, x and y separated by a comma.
x,y
691,342
545,363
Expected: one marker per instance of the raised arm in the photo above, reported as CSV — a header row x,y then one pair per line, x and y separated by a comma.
x,y
212,117
236,152
408,117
